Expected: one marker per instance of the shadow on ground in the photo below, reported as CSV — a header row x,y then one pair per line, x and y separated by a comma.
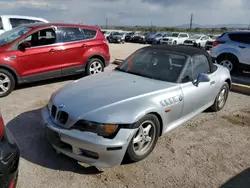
x,y
241,180
29,133
49,81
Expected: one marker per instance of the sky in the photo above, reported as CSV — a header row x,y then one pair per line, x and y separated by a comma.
x,y
132,12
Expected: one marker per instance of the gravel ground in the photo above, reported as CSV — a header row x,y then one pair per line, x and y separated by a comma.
x,y
205,152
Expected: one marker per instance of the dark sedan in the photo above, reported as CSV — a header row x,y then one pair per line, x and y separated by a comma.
x,y
9,158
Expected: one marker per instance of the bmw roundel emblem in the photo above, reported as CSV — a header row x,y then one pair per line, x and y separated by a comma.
x,y
61,105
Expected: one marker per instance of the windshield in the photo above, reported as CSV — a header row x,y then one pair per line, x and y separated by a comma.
x,y
13,34
215,37
117,33
195,37
155,64
175,35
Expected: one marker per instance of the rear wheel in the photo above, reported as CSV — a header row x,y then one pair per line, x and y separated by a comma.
x,y
145,139
229,61
175,43
221,98
7,83
94,66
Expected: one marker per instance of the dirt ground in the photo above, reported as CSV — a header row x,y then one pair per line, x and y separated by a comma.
x,y
212,150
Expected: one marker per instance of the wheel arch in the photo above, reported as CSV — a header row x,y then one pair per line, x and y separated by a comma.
x,y
12,71
229,83
98,56
226,54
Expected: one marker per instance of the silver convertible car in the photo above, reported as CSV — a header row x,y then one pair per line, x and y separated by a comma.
x,y
101,119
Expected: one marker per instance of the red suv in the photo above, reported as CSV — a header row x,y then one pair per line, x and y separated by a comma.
x,y
42,51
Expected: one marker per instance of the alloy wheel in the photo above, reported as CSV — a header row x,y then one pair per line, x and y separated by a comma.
x,y
144,138
228,64
95,67
222,98
5,83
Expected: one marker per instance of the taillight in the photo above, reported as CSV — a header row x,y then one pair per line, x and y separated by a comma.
x,y
1,127
215,43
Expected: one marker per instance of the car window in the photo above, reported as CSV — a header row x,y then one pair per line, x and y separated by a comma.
x,y
70,34
18,21
1,23
188,74
42,37
240,37
155,64
36,21
183,35
89,33
200,65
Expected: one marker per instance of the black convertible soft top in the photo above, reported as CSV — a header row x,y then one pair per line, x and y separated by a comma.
x,y
185,50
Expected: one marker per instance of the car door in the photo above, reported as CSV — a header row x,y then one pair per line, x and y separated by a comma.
x,y
40,60
242,44
75,43
198,98
203,41
182,38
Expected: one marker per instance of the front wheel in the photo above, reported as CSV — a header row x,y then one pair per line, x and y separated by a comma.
x,y
145,139
175,43
7,83
221,98
94,66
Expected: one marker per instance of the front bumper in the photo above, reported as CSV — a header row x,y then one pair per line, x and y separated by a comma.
x,y
167,42
9,160
87,147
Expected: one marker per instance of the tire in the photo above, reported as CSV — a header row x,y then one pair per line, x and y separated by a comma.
x,y
230,61
8,85
133,154
217,106
94,66
175,43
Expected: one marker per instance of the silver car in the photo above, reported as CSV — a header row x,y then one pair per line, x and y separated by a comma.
x,y
99,120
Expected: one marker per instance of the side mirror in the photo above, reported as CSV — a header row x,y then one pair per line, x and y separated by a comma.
x,y
202,78
22,46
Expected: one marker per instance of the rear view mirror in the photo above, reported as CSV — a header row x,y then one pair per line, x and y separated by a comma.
x,y
202,78
22,46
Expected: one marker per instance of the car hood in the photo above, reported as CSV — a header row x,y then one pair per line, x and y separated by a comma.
x,y
170,37
103,90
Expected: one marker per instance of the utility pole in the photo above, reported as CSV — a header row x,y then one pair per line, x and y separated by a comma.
x,y
191,21
106,23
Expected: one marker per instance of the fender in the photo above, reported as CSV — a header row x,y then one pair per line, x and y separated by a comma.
x,y
16,75
101,56
228,50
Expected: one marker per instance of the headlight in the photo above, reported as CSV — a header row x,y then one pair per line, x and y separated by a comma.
x,y
98,128
170,40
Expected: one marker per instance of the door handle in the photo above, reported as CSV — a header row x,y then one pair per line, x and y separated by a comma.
x,y
85,46
53,50
212,82
241,46
11,57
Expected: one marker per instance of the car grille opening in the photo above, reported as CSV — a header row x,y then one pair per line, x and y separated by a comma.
x,y
62,117
89,154
53,111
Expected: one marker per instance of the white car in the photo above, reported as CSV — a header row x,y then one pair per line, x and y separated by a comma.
x,y
209,43
232,50
175,38
197,40
8,22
